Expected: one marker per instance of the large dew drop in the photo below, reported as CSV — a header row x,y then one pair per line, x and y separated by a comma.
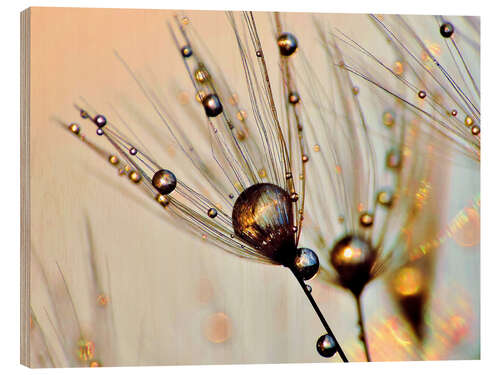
x,y
263,217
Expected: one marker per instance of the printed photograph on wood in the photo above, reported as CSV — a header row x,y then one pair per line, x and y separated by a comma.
x,y
208,187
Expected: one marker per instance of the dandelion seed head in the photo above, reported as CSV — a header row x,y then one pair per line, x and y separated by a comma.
x,y
353,258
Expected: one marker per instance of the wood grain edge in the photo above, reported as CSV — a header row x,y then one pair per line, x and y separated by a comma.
x,y
25,187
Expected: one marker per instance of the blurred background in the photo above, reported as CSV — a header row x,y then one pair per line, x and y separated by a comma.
x,y
113,283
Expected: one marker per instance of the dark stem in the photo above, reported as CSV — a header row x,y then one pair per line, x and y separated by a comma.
x,y
320,315
361,322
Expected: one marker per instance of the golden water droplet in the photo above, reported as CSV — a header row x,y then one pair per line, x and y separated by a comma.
x,y
262,173
134,177
469,121
113,159
242,115
163,200
393,159
388,118
200,95
102,299
74,128
475,130
408,281
366,220
233,100
212,212
241,135
201,74
185,20
218,328
384,198
355,90
398,68
94,364
316,148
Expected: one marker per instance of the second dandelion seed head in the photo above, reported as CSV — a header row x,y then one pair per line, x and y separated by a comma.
x,y
353,259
